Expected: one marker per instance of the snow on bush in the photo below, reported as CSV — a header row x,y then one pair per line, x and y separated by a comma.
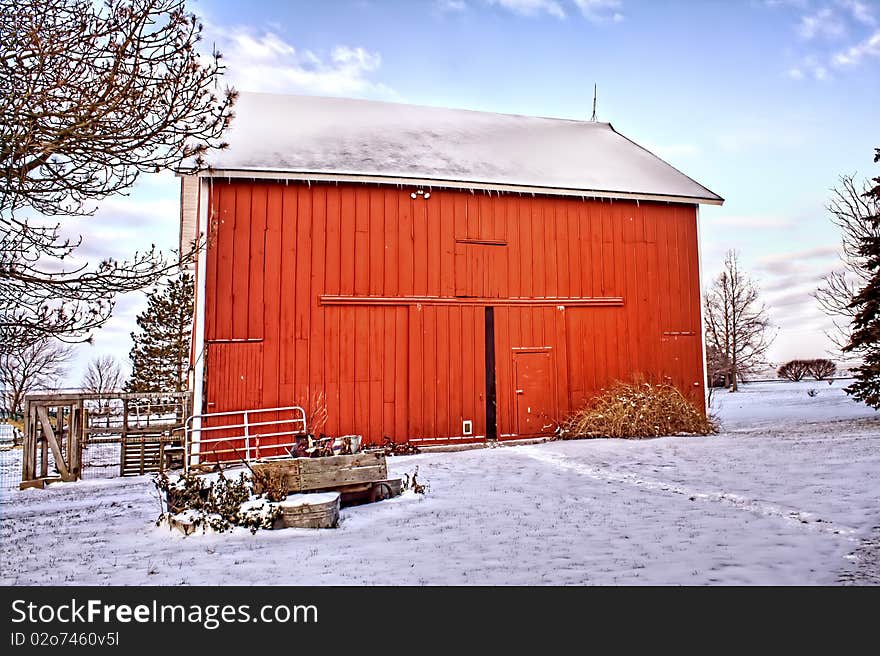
x,y
637,410
217,504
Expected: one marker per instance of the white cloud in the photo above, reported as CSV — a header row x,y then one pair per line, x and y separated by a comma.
x,y
601,11
265,61
824,24
595,11
798,262
531,7
820,73
450,5
833,21
870,47
753,222
810,66
859,11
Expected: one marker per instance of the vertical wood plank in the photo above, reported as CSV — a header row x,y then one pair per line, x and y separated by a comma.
x,y
287,290
225,262
272,298
377,241
241,253
257,260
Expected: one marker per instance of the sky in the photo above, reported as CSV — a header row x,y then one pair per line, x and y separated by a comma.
x,y
765,102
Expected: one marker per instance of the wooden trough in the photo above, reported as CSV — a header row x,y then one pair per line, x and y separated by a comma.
x,y
319,510
359,478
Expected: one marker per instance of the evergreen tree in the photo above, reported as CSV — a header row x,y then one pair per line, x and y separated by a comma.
x,y
160,355
866,324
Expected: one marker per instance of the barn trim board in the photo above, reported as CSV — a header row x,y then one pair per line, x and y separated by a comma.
x,y
463,300
431,185
411,314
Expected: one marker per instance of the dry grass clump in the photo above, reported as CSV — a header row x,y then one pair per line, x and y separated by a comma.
x,y
635,411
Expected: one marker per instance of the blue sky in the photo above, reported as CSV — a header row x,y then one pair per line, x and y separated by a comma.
x,y
766,102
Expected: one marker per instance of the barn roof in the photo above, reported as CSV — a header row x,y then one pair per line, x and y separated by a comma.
x,y
307,137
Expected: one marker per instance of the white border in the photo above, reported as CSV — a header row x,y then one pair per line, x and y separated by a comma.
x,y
702,312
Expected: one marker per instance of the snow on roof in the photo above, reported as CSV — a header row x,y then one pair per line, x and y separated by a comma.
x,y
344,138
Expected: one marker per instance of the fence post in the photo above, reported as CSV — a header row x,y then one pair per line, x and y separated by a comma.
x,y
123,444
44,453
247,440
29,451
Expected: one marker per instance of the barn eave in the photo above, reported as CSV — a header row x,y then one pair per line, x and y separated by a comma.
x,y
431,183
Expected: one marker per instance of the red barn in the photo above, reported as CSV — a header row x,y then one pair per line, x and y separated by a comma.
x,y
438,275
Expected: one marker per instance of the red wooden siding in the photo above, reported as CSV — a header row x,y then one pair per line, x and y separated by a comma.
x,y
377,300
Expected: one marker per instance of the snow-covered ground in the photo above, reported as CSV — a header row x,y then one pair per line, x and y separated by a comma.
x,y
788,493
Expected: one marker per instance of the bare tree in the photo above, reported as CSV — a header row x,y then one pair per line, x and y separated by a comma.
x,y
794,370
822,368
103,375
736,322
91,95
716,366
850,208
37,366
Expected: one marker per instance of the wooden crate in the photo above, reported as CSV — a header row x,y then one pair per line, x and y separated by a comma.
x,y
309,474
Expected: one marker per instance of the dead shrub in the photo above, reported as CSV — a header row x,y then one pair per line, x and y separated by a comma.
x,y
270,483
635,411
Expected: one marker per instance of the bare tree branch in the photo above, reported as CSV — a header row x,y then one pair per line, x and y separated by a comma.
x,y
91,96
103,375
850,209
30,368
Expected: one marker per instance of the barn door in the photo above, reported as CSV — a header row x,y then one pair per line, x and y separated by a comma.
x,y
534,392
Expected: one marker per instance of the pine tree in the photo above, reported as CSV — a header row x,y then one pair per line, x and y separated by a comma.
x,y
160,355
866,324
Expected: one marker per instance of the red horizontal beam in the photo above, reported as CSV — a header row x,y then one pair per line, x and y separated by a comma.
x,y
600,301
482,242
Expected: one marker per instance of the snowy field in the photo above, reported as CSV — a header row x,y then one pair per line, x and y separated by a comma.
x,y
788,493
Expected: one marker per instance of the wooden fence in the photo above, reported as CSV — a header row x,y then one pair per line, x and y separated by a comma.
x,y
60,427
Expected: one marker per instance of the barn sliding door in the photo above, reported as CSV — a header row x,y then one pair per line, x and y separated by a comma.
x,y
447,372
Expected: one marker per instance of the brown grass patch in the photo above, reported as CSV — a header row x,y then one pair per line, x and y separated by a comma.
x,y
636,411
